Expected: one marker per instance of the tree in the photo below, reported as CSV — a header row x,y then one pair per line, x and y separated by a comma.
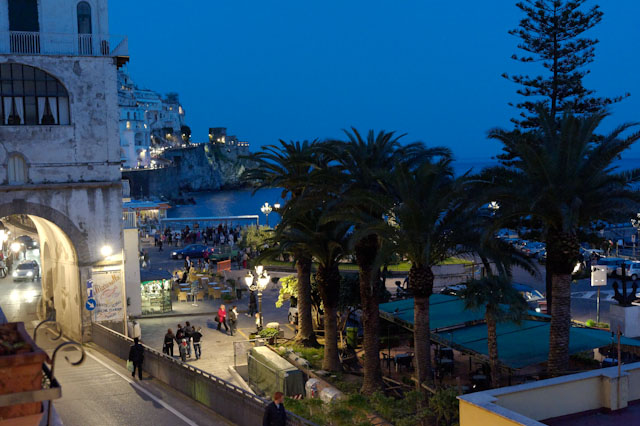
x,y
288,166
302,228
552,34
429,222
565,179
501,302
366,163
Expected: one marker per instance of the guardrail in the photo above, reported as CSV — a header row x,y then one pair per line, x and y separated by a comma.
x,y
41,43
228,400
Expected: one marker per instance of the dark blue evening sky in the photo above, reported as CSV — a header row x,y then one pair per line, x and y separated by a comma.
x,y
307,69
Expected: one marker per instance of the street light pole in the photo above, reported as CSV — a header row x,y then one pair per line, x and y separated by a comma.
x,y
266,209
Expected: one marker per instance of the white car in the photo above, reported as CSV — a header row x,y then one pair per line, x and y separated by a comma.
x,y
26,270
632,269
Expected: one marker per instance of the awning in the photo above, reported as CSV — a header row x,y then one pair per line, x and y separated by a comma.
x,y
519,345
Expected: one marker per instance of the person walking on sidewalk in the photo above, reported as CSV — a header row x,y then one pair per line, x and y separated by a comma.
x,y
188,334
136,356
222,318
197,337
233,319
168,343
275,414
253,305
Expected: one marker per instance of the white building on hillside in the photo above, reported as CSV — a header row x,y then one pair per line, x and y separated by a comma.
x,y
146,119
135,134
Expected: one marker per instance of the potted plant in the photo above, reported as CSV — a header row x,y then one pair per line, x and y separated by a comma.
x,y
20,371
270,334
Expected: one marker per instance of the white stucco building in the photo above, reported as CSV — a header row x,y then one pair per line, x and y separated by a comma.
x,y
60,148
146,119
135,134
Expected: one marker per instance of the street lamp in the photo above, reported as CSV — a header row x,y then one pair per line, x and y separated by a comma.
x,y
276,206
266,209
258,283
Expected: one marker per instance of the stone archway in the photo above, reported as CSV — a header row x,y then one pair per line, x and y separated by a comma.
x,y
64,264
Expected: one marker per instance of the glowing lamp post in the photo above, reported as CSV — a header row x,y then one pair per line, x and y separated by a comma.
x,y
266,209
258,283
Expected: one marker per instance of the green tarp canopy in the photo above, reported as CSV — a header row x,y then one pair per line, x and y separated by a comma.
x,y
519,345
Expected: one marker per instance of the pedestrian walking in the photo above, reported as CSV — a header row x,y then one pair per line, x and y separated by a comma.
x,y
222,318
188,334
233,319
253,304
160,243
168,343
187,264
197,338
275,414
182,343
258,323
136,356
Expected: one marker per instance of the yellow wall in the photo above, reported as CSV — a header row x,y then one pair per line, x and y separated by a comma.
x,y
472,415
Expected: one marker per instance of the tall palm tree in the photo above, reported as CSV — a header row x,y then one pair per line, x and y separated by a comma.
x,y
288,166
366,163
565,177
428,226
326,242
500,301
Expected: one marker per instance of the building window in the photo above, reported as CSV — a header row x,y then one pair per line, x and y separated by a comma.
x,y
31,96
16,169
84,18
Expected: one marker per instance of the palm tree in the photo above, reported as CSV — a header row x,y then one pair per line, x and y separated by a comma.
x,y
428,226
501,302
565,177
303,227
366,163
288,166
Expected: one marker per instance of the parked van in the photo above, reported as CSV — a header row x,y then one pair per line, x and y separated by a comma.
x,y
632,269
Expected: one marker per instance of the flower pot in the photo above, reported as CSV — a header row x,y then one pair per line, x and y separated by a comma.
x,y
20,370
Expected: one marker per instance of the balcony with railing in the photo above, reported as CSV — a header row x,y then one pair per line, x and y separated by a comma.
x,y
38,43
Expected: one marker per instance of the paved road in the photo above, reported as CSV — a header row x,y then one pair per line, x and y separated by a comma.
x,y
101,391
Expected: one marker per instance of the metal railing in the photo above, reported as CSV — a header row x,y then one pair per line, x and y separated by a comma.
x,y
37,43
228,400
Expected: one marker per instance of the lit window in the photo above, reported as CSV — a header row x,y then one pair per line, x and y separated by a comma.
x,y
16,169
30,96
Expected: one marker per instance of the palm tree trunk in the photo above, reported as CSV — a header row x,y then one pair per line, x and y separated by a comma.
x,y
421,284
305,336
366,252
329,286
492,343
560,324
563,250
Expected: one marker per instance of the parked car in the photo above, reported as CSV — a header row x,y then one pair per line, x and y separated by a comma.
x,y
27,242
612,264
533,297
453,290
26,270
533,248
632,268
221,253
192,250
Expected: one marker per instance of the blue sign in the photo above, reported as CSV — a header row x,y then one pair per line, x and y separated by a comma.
x,y
91,304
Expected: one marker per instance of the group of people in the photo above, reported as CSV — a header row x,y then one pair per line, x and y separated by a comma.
x,y
221,319
221,234
188,338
